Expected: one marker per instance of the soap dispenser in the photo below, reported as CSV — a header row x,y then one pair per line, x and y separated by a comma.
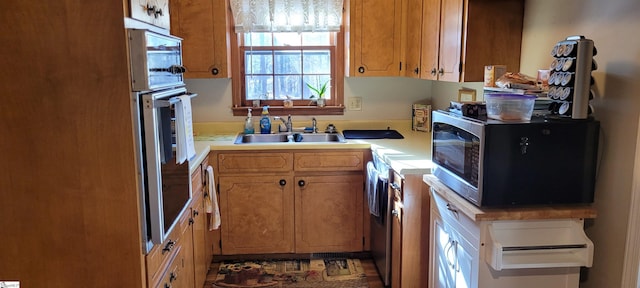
x,y
248,125
265,122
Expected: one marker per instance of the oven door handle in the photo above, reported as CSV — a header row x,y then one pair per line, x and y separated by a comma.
x,y
171,101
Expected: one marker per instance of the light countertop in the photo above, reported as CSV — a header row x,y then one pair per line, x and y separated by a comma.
x,y
410,155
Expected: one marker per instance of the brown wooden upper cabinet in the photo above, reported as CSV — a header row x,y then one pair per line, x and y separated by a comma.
x,y
204,26
373,37
452,40
154,12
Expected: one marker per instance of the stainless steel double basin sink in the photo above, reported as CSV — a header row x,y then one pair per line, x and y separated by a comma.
x,y
289,138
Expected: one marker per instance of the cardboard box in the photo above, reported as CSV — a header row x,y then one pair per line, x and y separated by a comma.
x,y
421,117
492,73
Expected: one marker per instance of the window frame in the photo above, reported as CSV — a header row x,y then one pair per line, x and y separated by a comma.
x,y
334,106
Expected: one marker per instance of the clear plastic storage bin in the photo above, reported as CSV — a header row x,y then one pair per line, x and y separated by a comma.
x,y
509,107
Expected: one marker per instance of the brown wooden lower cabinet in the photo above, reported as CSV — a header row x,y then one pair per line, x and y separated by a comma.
x,y
328,213
410,231
257,214
300,201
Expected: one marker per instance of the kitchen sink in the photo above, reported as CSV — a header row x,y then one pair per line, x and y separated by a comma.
x,y
289,137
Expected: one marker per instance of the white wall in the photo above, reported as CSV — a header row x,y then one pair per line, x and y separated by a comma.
x,y
387,98
613,26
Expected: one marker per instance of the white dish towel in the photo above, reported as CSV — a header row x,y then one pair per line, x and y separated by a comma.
x,y
185,148
211,201
372,189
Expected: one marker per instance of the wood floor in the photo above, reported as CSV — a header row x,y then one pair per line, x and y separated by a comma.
x,y
369,268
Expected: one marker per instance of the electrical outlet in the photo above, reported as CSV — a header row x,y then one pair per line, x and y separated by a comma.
x,y
355,104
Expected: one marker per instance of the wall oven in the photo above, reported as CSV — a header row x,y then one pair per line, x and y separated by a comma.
x,y
158,87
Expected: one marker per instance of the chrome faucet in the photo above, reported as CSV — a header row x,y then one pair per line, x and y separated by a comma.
x,y
287,123
314,125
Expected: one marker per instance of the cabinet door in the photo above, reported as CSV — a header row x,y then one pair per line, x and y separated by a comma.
x,y
430,39
200,264
466,265
257,214
154,12
412,37
375,37
186,276
396,244
203,26
450,40
443,261
329,213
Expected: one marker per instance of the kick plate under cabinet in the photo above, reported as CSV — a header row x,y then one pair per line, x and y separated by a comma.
x,y
537,244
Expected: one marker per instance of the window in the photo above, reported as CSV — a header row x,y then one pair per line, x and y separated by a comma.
x,y
276,66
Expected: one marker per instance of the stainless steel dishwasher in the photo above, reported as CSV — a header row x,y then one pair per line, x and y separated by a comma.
x,y
379,199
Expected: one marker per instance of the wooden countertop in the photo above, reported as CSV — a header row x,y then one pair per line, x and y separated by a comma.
x,y
519,213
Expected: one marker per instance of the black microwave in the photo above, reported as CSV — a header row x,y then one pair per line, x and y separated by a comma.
x,y
494,163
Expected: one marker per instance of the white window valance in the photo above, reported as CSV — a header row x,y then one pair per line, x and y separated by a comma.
x,y
286,15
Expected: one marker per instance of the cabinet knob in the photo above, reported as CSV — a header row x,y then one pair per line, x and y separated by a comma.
x,y
441,71
173,276
417,70
434,71
283,182
196,213
215,71
191,221
301,183
167,285
361,69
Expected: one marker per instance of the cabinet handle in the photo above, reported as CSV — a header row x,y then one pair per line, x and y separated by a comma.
x,y
215,71
361,69
453,209
169,246
283,182
441,71
434,72
301,183
153,10
173,69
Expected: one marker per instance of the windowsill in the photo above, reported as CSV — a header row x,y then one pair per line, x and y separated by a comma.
x,y
295,110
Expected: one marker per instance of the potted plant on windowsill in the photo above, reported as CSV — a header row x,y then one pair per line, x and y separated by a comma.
x,y
319,93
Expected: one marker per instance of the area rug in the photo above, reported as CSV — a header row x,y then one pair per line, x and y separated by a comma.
x,y
304,273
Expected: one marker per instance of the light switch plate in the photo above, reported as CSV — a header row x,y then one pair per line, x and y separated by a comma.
x,y
355,104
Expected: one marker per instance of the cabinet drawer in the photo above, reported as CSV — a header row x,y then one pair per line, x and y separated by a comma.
x,y
159,256
172,273
255,162
329,161
455,218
